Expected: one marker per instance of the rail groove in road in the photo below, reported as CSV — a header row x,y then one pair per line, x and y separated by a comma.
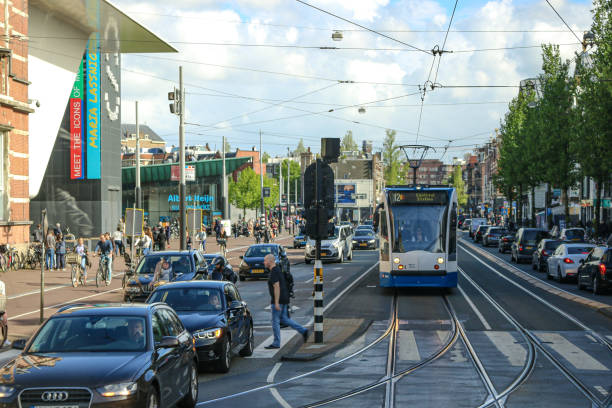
x,y
535,342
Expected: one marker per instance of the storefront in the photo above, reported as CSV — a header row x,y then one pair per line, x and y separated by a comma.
x,y
160,197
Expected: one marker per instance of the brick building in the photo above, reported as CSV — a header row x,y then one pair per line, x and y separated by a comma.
x,y
14,131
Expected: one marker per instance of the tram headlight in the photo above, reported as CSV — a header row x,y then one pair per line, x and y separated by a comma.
x,y
440,260
396,260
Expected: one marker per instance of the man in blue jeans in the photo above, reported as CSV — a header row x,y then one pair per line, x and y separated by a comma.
x,y
105,248
279,294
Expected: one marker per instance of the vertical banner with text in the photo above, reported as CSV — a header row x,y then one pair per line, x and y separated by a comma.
x,y
93,136
76,126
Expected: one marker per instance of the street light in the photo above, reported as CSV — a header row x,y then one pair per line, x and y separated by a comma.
x,y
361,110
337,35
588,39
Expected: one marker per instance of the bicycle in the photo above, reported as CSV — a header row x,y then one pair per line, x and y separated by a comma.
x,y
76,273
223,246
103,274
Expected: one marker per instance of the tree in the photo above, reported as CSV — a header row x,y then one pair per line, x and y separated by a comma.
x,y
299,149
265,157
348,144
391,155
244,193
593,113
228,147
456,180
294,174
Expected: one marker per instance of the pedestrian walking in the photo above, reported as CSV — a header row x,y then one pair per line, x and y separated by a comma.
x,y
50,251
60,253
201,238
279,301
161,239
118,240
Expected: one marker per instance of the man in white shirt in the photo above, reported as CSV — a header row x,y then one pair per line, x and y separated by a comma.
x,y
201,237
118,240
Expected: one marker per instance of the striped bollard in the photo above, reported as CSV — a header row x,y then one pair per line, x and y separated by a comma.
x,y
318,301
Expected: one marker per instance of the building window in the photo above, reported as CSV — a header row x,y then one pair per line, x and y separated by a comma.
x,y
3,172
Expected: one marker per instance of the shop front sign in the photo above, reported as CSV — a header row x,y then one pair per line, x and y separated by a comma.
x,y
192,201
76,128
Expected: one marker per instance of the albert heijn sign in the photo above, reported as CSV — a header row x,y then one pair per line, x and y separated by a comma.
x,y
190,173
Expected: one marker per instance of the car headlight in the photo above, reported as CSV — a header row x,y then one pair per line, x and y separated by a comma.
x,y
354,242
6,391
208,334
336,244
243,265
371,241
308,246
116,390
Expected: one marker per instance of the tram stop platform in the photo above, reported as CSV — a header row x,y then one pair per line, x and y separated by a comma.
x,y
337,333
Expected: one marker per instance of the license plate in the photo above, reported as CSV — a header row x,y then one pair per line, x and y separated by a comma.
x,y
528,247
54,406
133,290
324,254
257,271
363,244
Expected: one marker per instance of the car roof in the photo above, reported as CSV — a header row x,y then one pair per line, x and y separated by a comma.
x,y
265,245
193,284
105,309
211,256
168,253
578,244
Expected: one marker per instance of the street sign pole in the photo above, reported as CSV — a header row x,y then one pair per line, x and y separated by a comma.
x,y
44,223
182,186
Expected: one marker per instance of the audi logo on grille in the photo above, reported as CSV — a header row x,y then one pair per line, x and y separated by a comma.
x,y
54,396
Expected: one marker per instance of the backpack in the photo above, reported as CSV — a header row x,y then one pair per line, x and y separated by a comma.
x,y
289,283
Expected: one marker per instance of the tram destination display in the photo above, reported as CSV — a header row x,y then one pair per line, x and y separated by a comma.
x,y
417,197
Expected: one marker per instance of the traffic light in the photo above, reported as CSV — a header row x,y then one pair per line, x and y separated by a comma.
x,y
175,97
318,199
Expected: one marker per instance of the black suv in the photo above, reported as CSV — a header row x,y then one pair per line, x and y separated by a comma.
x,y
544,250
596,270
104,356
480,232
525,242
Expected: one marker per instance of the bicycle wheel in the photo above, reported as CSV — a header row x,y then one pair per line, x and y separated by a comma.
x,y
75,276
82,279
109,276
99,277
3,262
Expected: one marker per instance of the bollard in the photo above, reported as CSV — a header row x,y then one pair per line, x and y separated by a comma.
x,y
318,301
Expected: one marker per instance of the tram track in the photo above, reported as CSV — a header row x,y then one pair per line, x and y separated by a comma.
x,y
534,343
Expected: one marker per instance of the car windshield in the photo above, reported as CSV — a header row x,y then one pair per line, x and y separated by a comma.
x,y
552,244
531,237
363,233
178,263
578,250
336,234
418,227
574,234
260,251
91,333
496,231
189,299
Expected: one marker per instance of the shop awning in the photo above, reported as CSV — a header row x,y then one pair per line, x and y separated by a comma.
x,y
161,172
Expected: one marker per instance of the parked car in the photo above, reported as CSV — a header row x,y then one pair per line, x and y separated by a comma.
x,y
492,236
563,263
185,266
365,239
505,243
466,224
525,242
252,265
108,355
572,235
299,240
338,247
217,317
480,232
596,270
475,223
543,251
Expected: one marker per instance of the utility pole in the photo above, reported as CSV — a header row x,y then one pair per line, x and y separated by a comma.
x,y
280,195
288,188
137,191
182,186
262,209
44,226
224,185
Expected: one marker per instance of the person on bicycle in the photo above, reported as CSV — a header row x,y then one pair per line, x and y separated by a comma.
x,y
222,241
82,252
105,249
222,271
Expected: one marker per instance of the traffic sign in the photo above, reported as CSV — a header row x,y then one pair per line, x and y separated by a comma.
x,y
134,222
266,191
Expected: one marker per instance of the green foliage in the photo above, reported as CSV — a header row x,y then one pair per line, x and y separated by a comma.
x,y
348,144
456,180
265,157
391,157
299,149
244,193
294,170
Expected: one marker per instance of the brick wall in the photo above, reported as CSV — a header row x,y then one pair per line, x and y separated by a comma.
x,y
14,111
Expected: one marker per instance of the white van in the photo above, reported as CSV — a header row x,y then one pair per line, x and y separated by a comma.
x,y
476,222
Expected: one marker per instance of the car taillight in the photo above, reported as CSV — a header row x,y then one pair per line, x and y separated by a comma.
x,y
505,240
602,270
544,252
567,260
520,247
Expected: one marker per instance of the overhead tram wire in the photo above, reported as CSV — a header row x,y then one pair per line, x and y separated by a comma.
x,y
444,42
363,27
564,22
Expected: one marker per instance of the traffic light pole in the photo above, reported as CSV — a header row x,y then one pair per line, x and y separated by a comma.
x,y
182,186
318,271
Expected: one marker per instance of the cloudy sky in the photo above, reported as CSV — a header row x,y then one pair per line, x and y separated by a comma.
x,y
252,65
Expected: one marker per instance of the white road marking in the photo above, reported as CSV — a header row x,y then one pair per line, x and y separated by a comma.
x,y
261,352
602,390
309,280
408,349
337,279
591,338
569,351
456,355
480,316
506,344
52,288
273,372
64,303
279,399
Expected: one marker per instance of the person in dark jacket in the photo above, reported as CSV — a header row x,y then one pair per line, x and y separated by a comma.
x,y
221,271
60,253
161,240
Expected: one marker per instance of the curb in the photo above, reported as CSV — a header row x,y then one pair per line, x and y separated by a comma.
x,y
603,308
313,356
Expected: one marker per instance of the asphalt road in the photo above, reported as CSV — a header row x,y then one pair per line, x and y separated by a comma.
x,y
505,337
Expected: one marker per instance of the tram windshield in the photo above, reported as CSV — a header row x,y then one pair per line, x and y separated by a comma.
x,y
418,227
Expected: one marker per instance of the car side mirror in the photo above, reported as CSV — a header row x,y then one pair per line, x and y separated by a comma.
x,y
168,342
19,344
236,304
